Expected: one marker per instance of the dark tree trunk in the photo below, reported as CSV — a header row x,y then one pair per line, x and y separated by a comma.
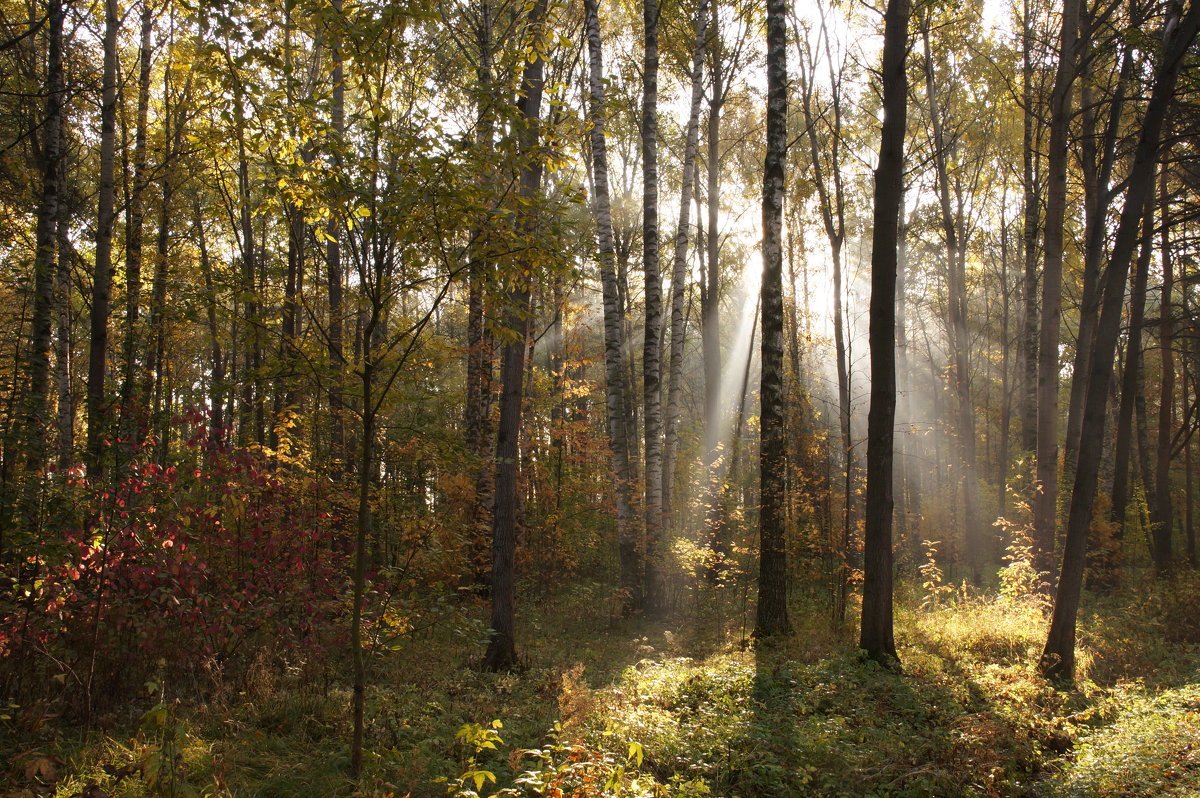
x,y
44,264
479,345
772,615
1031,214
1058,657
502,648
363,534
64,352
1097,170
876,637
97,403
131,411
1130,385
216,382
1045,502
333,261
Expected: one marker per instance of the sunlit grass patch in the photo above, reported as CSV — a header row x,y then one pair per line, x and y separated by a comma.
x,y
1148,745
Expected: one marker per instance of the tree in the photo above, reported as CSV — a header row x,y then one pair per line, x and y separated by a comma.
x,y
679,265
772,614
614,333
1058,657
876,637
1045,503
502,649
46,236
97,402
652,340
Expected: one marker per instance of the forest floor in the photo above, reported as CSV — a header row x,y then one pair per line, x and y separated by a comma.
x,y
629,708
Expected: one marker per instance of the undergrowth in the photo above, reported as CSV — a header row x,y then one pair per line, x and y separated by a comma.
x,y
610,707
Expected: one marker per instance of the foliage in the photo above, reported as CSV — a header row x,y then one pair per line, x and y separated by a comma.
x,y
1020,580
195,570
1140,744
933,580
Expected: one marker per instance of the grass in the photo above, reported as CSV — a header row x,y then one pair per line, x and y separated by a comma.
x,y
654,710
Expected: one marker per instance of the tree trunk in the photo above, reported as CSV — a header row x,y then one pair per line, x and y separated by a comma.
x,y
363,534
710,313
876,637
1058,657
772,615
333,258
216,383
1005,370
502,649
679,266
44,266
614,332
1031,214
652,341
131,412
904,477
1130,386
832,206
1189,528
1045,501
1161,513
1097,171
64,354
97,404
479,346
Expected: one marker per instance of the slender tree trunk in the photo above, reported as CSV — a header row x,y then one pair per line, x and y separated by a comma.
x,y
1005,370
876,637
710,312
64,353
502,650
652,341
97,404
903,481
680,262
1045,501
49,213
216,383
1031,214
614,332
1189,529
1161,512
1145,469
155,366
362,537
1097,170
1058,657
130,410
772,615
1130,386
479,345
333,257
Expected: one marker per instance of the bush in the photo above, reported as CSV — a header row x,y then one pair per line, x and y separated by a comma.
x,y
192,571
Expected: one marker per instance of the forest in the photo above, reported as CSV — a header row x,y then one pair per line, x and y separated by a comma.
x,y
409,398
